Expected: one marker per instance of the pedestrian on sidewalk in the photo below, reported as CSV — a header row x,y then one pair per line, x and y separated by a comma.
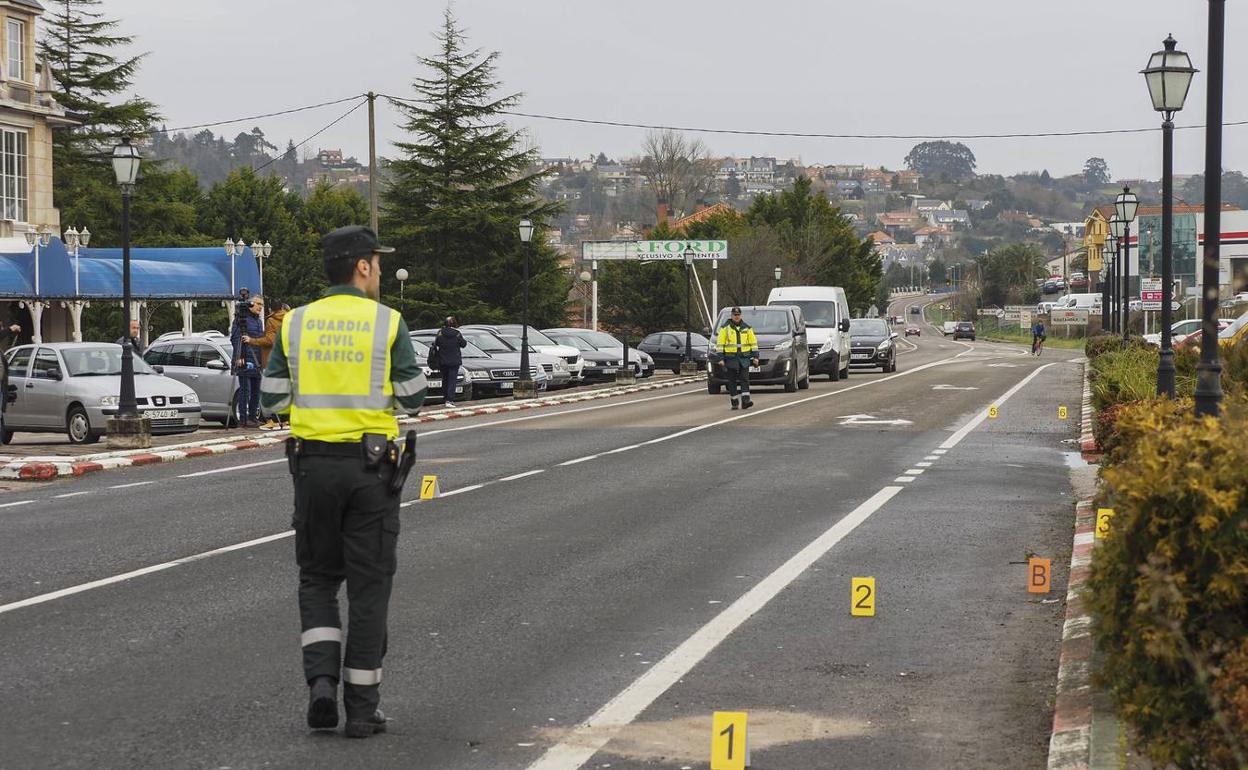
x,y
447,349
739,347
135,345
272,330
341,389
248,327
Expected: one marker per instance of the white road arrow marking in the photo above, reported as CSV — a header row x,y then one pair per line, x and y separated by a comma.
x,y
952,387
867,419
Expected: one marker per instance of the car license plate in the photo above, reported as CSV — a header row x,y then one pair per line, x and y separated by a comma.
x,y
755,369
160,414
504,386
435,383
860,355
608,371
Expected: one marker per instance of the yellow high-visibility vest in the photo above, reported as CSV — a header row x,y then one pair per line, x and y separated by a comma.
x,y
733,340
338,349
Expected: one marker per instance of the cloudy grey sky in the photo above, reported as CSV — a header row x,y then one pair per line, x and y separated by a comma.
x,y
827,66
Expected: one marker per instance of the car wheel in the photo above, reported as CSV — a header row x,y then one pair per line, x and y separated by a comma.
x,y
78,427
790,386
713,388
804,383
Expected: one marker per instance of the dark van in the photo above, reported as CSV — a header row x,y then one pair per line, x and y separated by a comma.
x,y
783,354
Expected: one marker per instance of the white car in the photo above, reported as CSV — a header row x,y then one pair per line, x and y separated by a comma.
x,y
949,328
543,344
1181,330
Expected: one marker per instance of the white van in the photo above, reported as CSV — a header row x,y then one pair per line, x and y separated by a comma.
x,y
1089,302
826,311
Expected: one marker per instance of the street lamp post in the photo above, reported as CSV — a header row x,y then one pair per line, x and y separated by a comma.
x,y
260,251
1169,76
1209,370
1109,256
525,388
778,273
1117,228
1126,206
402,275
127,429
687,366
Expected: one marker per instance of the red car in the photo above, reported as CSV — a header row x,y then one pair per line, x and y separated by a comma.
x,y
913,330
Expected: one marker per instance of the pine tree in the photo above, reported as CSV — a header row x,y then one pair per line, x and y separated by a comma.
x,y
459,190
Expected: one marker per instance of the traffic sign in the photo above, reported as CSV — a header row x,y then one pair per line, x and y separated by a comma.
x,y
730,741
862,592
1151,294
1068,317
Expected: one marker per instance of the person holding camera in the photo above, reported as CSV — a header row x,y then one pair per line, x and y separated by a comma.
x,y
248,329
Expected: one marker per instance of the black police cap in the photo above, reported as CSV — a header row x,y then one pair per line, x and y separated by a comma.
x,y
352,241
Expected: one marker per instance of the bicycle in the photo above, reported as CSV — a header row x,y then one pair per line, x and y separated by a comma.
x,y
1037,345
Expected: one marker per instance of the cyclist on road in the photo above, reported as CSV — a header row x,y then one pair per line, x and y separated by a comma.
x,y
1037,338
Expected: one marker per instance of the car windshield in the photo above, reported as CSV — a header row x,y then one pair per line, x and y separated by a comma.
x,y
600,340
517,343
535,337
867,327
104,361
468,351
764,321
488,342
573,341
820,313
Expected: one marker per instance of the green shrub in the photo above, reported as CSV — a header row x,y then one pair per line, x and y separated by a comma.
x,y
1168,588
1101,343
1124,375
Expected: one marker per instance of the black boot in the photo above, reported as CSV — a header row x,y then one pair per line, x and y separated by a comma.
x,y
735,405
323,703
746,403
364,727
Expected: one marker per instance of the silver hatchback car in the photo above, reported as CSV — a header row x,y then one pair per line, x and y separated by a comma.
x,y
202,363
72,388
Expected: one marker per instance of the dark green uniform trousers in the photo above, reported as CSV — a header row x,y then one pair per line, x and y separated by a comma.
x,y
346,528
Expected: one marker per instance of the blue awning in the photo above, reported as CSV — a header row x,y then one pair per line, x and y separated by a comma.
x,y
155,273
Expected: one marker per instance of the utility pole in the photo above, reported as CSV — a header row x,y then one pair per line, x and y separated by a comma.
x,y
372,160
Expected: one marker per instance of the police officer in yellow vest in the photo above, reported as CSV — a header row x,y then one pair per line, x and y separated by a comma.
x,y
338,367
739,347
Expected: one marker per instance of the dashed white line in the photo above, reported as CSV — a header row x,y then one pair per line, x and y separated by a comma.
x,y
19,502
231,468
461,490
132,484
922,465
579,460
904,479
915,472
72,494
932,457
524,475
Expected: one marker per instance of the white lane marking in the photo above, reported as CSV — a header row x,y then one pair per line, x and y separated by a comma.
x,y
939,451
19,502
957,437
932,457
73,494
579,460
923,465
524,475
587,738
461,490
132,484
231,468
40,599
915,472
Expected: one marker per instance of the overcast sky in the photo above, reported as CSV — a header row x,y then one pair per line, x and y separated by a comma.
x,y
837,66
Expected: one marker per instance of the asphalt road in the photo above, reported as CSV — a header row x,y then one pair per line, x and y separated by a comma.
x,y
639,562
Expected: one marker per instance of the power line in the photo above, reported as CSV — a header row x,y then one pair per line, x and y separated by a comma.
x,y
258,117
808,135
334,122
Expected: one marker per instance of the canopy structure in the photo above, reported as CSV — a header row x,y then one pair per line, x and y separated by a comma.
x,y
155,273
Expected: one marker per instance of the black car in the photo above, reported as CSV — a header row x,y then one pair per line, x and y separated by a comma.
x,y
668,349
964,330
871,344
783,354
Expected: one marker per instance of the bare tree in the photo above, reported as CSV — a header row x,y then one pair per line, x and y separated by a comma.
x,y
679,169
748,276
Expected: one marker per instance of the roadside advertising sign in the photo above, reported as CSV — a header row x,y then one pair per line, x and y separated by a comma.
x,y
654,251
1068,317
1014,312
1151,294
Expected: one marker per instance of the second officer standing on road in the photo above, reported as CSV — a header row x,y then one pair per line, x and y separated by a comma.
x,y
739,347
338,367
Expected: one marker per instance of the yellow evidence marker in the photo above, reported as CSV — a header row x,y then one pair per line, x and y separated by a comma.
x,y
1103,517
992,412
429,487
730,743
862,602
1039,575
1061,413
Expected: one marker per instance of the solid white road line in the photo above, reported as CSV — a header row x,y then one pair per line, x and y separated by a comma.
x,y
587,738
73,494
231,468
524,475
132,484
33,600
462,490
591,735
19,502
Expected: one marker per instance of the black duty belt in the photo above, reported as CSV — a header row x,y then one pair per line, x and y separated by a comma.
x,y
309,448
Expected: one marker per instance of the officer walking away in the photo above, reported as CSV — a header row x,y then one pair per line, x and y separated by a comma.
x,y
339,366
447,347
739,347
247,331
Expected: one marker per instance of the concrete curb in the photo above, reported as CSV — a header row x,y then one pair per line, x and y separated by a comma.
x,y
49,468
1087,440
1070,744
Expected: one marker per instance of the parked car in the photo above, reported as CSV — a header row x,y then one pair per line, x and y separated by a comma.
x,y
1078,282
871,344
964,330
1044,308
783,357
913,331
202,363
543,344
599,364
73,387
948,327
668,349
642,362
490,374
825,310
496,343
463,384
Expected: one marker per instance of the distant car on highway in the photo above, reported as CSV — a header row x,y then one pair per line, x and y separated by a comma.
x,y
964,330
913,331
668,349
914,310
871,344
948,327
73,387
